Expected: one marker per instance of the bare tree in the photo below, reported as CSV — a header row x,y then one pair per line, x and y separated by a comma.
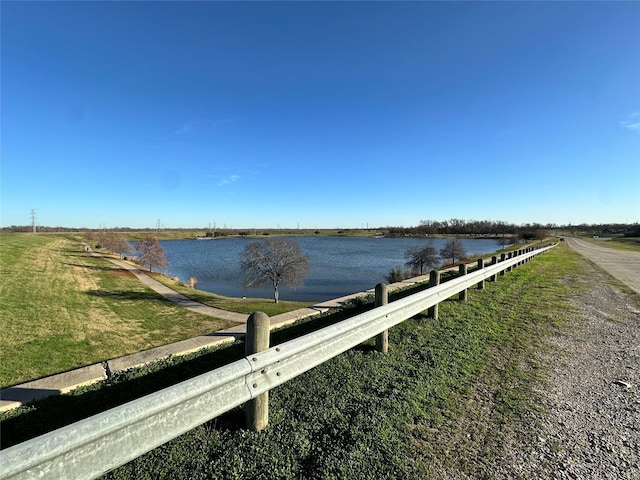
x,y
272,261
151,253
117,243
453,249
419,258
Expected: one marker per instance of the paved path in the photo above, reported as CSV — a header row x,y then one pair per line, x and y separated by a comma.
x,y
176,297
622,264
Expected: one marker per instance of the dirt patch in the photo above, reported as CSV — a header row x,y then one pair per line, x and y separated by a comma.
x,y
118,272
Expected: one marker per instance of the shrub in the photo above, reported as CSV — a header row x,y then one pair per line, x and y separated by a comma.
x,y
397,274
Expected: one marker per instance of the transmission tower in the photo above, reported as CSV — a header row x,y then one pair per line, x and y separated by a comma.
x,y
33,220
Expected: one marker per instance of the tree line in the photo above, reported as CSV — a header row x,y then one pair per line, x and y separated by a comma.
x,y
452,226
458,226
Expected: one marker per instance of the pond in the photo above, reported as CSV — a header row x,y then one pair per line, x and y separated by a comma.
x,y
338,266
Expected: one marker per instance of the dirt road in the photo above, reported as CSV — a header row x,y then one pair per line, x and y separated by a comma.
x,y
623,265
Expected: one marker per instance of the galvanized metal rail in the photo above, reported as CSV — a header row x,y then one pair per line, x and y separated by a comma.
x,y
92,447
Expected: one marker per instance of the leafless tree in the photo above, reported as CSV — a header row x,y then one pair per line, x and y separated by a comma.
x,y
453,249
151,253
272,261
117,243
419,258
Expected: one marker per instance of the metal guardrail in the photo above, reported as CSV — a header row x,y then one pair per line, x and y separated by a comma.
x,y
93,446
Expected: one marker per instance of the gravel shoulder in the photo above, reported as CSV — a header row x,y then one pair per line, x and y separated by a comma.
x,y
590,428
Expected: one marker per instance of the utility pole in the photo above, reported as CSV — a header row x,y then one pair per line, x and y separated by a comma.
x,y
33,220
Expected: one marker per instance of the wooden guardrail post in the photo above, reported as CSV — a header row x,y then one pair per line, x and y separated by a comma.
x,y
503,257
382,298
480,267
494,260
462,270
257,340
434,279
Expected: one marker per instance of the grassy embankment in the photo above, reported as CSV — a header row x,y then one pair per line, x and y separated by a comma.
x,y
62,308
630,244
446,396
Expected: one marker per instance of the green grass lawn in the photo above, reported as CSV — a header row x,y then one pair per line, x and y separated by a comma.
x,y
62,309
447,391
631,244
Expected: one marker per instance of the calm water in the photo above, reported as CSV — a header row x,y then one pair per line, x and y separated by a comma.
x,y
338,266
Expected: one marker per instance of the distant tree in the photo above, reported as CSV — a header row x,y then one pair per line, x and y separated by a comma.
x,y
273,261
397,274
541,234
420,258
90,237
527,235
151,253
453,249
116,243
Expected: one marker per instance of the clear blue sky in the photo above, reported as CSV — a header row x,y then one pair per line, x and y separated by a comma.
x,y
319,114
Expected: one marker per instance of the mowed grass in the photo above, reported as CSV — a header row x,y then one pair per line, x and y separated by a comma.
x,y
630,244
62,308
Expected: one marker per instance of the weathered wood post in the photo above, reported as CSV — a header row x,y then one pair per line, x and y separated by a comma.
x,y
257,340
382,298
503,257
434,279
462,270
494,260
480,267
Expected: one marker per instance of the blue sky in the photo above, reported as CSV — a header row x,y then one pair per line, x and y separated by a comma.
x,y
319,114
